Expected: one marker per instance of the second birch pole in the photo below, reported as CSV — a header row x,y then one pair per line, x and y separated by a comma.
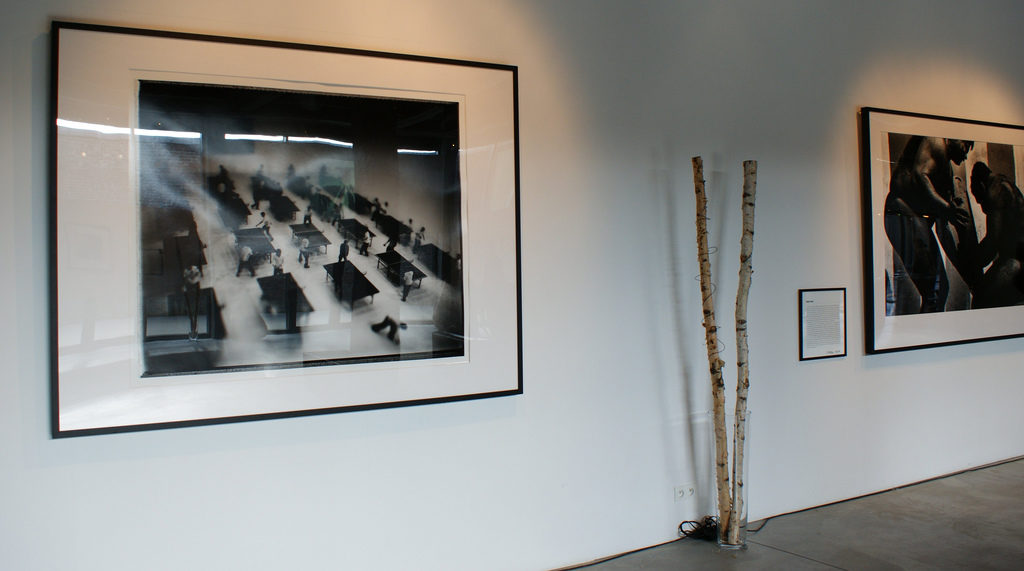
x,y
742,353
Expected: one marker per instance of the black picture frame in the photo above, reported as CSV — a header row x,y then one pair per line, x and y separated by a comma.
x,y
186,291
939,238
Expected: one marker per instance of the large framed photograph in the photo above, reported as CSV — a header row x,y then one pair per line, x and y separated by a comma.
x,y
944,230
245,229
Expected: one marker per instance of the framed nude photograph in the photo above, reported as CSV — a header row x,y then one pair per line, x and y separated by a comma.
x,y
944,230
245,229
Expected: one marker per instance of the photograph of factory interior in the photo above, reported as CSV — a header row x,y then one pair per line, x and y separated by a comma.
x,y
293,228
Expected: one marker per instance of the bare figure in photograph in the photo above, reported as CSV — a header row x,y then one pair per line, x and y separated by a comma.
x,y
1002,283
921,202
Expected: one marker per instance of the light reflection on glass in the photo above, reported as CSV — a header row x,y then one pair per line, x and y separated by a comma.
x,y
253,137
423,152
321,140
112,130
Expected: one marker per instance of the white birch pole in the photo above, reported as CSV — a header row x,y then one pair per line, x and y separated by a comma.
x,y
714,361
742,350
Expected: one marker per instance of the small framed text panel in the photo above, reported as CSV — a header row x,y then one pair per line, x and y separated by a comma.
x,y
822,323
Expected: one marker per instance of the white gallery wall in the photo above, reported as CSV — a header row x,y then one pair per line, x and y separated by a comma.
x,y
615,98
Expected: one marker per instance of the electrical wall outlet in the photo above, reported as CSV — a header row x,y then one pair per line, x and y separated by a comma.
x,y
684,492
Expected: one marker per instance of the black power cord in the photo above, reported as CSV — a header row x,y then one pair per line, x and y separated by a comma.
x,y
706,529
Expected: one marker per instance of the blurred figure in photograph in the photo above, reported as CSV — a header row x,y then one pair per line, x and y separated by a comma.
x,y
391,325
304,252
364,245
191,277
343,251
418,238
277,262
245,261
264,224
407,282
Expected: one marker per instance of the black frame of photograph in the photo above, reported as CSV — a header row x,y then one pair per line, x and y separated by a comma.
x,y
184,289
941,262
802,295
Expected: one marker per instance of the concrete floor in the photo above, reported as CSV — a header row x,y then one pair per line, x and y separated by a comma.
x,y
972,520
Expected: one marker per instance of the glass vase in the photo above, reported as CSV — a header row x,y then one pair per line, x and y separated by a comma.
x,y
737,539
